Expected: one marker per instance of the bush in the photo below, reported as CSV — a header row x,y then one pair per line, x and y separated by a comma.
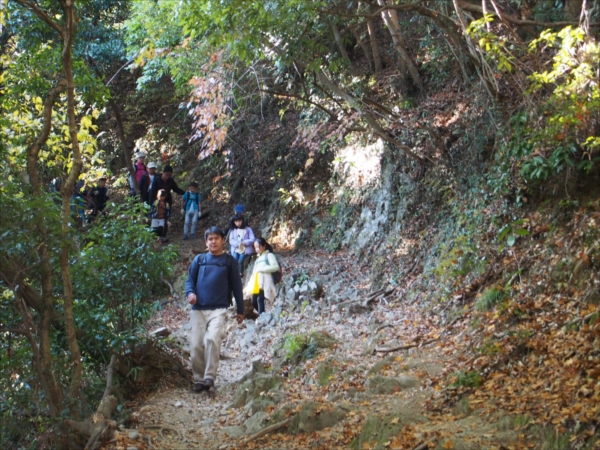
x,y
490,298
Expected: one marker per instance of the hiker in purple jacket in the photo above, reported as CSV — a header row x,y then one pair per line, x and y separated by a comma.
x,y
241,241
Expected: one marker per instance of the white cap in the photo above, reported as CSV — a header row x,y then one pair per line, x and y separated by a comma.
x,y
152,165
139,155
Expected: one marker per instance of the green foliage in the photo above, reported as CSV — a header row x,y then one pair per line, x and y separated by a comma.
x,y
552,439
562,132
494,45
459,260
511,231
513,422
490,298
116,272
299,347
294,345
324,373
470,379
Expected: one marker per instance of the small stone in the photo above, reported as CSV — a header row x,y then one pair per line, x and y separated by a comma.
x,y
132,448
178,405
235,431
160,332
290,296
133,435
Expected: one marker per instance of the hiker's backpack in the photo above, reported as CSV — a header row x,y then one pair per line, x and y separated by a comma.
x,y
277,276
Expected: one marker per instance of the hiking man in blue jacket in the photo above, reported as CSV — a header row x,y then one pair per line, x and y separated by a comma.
x,y
211,278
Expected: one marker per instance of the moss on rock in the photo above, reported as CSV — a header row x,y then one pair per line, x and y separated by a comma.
x,y
381,428
314,417
253,387
378,384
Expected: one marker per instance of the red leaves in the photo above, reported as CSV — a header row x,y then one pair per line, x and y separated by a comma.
x,y
208,107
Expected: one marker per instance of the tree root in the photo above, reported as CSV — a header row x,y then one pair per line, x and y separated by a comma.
x,y
405,347
162,428
267,430
173,293
99,425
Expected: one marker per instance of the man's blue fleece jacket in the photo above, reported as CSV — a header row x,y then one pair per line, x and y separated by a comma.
x,y
212,282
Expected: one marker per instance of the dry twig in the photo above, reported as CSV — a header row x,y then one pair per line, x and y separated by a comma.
x,y
405,347
267,430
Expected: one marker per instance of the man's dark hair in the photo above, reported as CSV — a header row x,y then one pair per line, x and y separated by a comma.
x,y
168,168
101,179
214,230
193,184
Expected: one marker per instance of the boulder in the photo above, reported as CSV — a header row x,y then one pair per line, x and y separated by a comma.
x,y
355,309
325,371
291,295
378,384
250,338
253,387
259,404
315,417
381,365
381,428
256,422
235,432
277,314
265,320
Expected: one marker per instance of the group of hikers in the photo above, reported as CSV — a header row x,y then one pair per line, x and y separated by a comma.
x,y
213,277
155,190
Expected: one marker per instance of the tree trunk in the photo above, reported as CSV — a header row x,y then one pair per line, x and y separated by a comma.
x,y
340,44
67,189
374,45
390,18
123,143
49,384
573,9
363,47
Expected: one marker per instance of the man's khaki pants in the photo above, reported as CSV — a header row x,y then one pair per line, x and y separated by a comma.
x,y
208,331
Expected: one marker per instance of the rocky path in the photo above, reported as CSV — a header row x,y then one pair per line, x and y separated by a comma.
x,y
315,368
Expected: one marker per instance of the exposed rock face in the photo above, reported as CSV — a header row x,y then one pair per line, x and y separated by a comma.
x,y
314,417
380,428
378,384
252,388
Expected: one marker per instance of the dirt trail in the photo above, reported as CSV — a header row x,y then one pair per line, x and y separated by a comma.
x,y
369,399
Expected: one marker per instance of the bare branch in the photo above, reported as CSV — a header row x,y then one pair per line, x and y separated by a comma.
x,y
517,21
42,15
299,97
375,126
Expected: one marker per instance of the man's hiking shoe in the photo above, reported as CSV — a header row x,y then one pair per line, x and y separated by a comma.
x,y
185,237
199,386
193,236
203,385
